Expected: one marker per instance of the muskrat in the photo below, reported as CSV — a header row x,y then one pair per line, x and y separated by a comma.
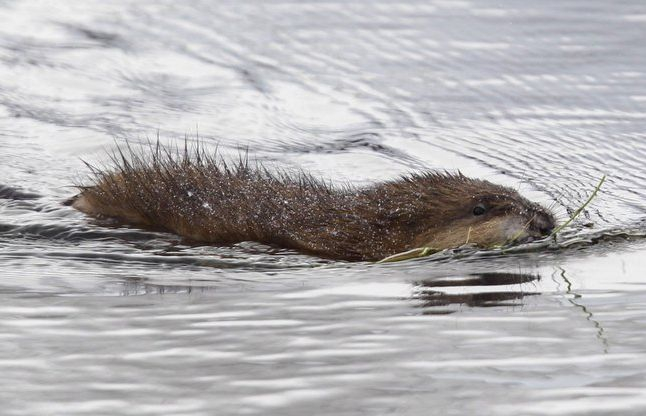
x,y
205,199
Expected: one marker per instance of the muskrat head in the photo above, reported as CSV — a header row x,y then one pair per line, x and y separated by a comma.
x,y
479,212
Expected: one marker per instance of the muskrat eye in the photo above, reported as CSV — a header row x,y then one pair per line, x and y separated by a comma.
x,y
479,209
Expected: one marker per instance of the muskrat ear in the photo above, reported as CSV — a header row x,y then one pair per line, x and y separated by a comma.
x,y
479,209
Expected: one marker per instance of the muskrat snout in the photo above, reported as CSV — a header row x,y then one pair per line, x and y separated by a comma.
x,y
542,224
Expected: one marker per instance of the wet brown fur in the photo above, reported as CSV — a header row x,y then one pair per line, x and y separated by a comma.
x,y
205,199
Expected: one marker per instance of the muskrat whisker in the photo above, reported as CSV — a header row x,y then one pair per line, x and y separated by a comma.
x,y
468,235
521,231
552,205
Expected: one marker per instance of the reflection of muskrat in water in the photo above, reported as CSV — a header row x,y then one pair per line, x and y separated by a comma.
x,y
206,200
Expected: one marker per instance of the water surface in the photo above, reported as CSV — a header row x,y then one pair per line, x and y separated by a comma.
x,y
543,97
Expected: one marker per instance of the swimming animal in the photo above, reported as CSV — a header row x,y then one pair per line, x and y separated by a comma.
x,y
205,199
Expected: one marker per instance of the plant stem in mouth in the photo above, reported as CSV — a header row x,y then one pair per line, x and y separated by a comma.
x,y
581,208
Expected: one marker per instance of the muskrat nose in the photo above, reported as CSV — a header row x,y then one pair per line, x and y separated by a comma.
x,y
543,223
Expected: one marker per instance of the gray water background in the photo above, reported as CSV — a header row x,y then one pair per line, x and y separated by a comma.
x,y
542,96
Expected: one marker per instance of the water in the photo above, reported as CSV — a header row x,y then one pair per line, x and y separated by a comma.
x,y
544,97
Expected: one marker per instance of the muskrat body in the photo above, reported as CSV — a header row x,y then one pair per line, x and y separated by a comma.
x,y
204,199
